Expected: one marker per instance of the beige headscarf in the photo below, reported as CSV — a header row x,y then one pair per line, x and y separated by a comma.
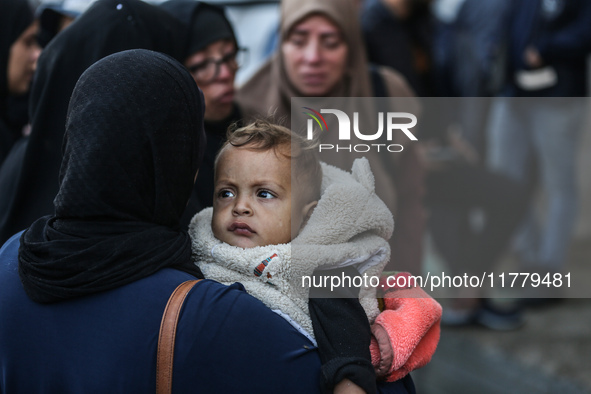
x,y
269,90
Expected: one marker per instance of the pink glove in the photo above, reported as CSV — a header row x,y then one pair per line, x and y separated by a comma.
x,y
406,333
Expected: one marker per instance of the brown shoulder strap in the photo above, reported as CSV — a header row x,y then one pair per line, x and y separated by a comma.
x,y
164,359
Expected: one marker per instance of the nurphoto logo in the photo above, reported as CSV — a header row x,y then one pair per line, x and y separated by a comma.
x,y
395,122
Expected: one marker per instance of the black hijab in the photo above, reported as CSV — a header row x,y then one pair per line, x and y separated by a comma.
x,y
205,23
107,27
15,18
133,143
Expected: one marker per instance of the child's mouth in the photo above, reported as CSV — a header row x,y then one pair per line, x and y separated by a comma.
x,y
241,229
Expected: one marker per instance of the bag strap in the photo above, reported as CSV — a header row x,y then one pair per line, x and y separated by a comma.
x,y
165,356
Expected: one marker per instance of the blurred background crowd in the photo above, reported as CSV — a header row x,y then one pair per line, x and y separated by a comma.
x,y
501,84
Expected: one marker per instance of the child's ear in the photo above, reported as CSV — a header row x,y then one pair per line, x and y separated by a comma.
x,y
307,212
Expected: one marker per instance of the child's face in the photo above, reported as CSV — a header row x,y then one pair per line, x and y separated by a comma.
x,y
252,198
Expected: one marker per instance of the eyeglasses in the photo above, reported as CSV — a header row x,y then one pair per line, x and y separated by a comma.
x,y
209,69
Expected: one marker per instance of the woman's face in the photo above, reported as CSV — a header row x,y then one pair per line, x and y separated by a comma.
x,y
315,56
214,69
22,61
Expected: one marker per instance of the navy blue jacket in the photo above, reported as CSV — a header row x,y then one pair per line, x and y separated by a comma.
x,y
561,31
106,343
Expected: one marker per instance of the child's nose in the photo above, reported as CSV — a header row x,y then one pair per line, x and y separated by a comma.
x,y
242,207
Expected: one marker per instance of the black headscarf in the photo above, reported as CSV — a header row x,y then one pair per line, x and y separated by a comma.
x,y
15,18
107,27
50,18
134,140
206,23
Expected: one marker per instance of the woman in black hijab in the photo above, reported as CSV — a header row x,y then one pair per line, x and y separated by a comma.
x,y
118,207
18,53
82,299
210,36
29,181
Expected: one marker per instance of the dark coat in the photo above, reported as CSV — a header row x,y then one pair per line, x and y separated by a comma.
x,y
562,35
106,342
396,43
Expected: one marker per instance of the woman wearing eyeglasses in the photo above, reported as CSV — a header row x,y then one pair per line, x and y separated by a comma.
x,y
212,56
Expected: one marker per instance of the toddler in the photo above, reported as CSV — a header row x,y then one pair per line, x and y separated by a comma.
x,y
271,231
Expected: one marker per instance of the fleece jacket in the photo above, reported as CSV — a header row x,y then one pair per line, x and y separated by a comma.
x,y
350,226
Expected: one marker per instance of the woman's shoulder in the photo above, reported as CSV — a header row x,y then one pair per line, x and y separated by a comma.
x,y
395,83
223,331
395,86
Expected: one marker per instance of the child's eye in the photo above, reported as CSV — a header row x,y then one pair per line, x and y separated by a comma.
x,y
225,194
265,194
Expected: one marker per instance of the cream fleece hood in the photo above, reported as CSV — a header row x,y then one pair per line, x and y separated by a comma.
x,y
349,226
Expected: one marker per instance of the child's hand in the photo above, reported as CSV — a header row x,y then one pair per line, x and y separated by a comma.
x,y
382,354
406,333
